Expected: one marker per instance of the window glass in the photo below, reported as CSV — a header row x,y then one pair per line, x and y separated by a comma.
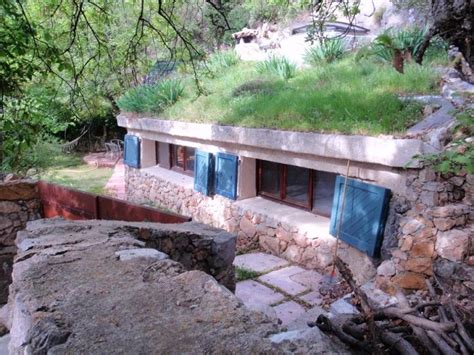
x,y
270,178
297,183
178,156
323,192
190,159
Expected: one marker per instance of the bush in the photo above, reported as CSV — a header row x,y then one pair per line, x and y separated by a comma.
x,y
278,66
407,40
151,98
219,61
329,50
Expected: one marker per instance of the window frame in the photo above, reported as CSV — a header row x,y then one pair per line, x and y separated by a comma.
x,y
184,155
281,197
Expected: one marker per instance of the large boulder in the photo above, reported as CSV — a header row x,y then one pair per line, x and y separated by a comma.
x,y
93,287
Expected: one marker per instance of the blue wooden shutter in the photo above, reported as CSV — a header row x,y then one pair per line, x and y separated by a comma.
x,y
203,172
364,217
226,175
131,156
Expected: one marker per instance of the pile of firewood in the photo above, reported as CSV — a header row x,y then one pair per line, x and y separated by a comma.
x,y
430,326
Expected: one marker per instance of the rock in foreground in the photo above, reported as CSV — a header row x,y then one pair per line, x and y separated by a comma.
x,y
77,288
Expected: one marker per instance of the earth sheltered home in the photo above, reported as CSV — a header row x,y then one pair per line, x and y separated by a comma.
x,y
281,191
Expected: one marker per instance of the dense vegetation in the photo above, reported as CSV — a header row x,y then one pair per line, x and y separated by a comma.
x,y
64,64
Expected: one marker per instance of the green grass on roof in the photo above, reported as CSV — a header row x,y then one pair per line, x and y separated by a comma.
x,y
344,96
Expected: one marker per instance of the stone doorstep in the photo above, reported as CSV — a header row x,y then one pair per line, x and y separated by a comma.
x,y
260,262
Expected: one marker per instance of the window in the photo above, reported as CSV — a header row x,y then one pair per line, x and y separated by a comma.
x,y
310,189
182,158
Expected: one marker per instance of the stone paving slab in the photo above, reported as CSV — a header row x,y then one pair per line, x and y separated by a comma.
x,y
259,262
4,340
289,312
311,315
282,279
251,292
313,298
309,278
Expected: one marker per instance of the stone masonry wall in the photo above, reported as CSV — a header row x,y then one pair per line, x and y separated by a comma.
x,y
195,246
254,230
19,203
435,234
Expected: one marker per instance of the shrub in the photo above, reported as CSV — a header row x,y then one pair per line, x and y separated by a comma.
x,y
151,98
278,66
329,50
219,61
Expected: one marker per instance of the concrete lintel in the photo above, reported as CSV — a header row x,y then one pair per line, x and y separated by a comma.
x,y
375,150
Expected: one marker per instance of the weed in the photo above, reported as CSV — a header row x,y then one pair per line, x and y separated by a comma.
x,y
242,274
278,66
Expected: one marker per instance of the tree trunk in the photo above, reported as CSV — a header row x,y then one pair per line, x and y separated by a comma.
x,y
398,60
454,21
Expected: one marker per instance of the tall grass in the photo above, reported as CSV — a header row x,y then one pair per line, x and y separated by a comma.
x,y
277,66
343,96
151,98
219,61
328,51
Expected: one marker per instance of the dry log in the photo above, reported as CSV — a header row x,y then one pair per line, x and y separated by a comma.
x,y
419,332
461,345
397,341
335,326
441,344
393,312
461,329
358,331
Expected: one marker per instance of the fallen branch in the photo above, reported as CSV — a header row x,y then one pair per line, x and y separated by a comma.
x,y
397,341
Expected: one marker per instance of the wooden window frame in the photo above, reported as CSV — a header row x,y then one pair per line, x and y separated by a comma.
x,y
172,158
281,197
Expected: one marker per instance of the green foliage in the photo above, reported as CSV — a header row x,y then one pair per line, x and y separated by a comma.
x,y
328,50
406,40
277,66
151,98
222,60
242,274
458,157
343,96
26,128
69,170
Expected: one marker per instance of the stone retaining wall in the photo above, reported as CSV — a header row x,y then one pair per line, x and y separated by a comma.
x,y
255,230
435,234
19,203
195,246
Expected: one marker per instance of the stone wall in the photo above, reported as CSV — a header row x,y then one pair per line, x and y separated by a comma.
x,y
255,229
435,234
195,246
19,203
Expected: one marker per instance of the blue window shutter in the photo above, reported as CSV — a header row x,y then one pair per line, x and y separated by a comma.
x,y
131,156
226,175
203,172
364,217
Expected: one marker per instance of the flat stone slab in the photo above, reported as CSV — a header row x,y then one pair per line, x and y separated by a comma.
x,y
259,262
289,312
313,298
76,297
147,253
251,292
4,340
309,316
343,306
309,278
282,280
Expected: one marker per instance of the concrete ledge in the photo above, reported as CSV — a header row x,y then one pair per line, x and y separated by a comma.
x,y
375,150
